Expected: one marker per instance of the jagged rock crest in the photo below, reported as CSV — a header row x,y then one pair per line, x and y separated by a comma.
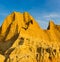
x,y
23,40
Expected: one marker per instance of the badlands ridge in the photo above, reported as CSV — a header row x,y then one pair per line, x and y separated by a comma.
x,y
23,40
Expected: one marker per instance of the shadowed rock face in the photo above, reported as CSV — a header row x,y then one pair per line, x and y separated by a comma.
x,y
22,40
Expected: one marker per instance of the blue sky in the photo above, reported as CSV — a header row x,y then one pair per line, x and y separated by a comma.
x,y
41,10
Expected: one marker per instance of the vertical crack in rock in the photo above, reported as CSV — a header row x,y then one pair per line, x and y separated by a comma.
x,y
40,51
49,50
52,53
14,16
37,57
7,31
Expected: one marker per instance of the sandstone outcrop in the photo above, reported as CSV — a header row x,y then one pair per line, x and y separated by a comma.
x,y
23,40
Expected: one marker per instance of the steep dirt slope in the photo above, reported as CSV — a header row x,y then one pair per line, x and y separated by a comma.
x,y
23,40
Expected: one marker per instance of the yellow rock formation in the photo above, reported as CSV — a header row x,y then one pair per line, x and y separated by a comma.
x,y
23,40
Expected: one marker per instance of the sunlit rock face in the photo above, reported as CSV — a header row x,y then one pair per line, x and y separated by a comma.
x,y
23,40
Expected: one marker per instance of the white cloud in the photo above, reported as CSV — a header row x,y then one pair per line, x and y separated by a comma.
x,y
52,16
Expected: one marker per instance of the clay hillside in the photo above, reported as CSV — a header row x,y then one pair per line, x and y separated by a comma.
x,y
23,40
